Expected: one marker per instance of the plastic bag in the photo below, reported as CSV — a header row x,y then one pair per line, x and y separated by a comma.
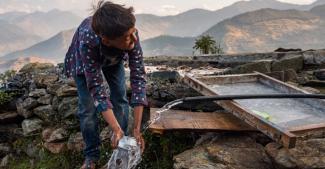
x,y
126,156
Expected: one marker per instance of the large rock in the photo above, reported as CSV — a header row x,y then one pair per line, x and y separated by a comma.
x,y
171,76
10,132
9,117
43,80
68,106
24,107
53,88
309,154
23,112
36,67
5,149
320,74
314,57
46,99
55,103
4,162
45,112
54,135
293,62
263,66
37,93
225,152
33,150
56,148
66,90
75,142
29,103
31,126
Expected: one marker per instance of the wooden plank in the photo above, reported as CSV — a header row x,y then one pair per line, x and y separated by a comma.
x,y
228,79
183,120
282,136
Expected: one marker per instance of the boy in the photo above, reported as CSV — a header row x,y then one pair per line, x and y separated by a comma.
x,y
100,45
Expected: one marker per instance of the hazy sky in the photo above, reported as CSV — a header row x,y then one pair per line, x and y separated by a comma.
x,y
157,7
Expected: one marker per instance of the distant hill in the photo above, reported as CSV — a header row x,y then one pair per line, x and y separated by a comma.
x,y
47,24
258,31
10,16
319,11
268,29
53,49
196,21
14,38
20,30
168,45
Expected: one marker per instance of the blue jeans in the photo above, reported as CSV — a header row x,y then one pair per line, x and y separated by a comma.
x,y
88,115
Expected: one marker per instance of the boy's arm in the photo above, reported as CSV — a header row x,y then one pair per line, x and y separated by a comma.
x,y
138,85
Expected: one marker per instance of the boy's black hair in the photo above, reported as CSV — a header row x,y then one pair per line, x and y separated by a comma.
x,y
112,20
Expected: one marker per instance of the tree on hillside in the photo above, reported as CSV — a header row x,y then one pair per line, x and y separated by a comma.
x,y
207,45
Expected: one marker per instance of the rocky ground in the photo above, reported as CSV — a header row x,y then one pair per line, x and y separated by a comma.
x,y
39,129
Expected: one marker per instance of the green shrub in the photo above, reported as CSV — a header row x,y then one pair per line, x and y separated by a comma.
x,y
5,97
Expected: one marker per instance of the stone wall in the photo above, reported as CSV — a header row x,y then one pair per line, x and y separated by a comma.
x,y
311,58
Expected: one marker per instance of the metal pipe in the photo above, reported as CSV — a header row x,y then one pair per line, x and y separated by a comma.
x,y
253,96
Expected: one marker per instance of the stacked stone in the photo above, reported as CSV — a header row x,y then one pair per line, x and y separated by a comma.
x,y
46,107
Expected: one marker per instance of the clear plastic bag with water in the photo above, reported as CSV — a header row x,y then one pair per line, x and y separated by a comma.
x,y
126,156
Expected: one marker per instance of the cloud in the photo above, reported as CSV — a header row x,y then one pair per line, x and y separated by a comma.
x,y
168,10
23,7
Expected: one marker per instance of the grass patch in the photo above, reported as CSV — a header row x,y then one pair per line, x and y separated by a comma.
x,y
159,153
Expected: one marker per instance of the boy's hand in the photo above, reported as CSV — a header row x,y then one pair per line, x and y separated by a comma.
x,y
138,136
117,135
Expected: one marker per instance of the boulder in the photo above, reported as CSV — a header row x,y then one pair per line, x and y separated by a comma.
x,y
45,112
308,154
75,142
5,161
171,76
55,103
43,80
31,126
66,90
24,108
46,99
53,88
320,74
316,58
5,149
293,62
225,151
37,93
290,75
36,67
56,148
68,107
54,135
29,103
10,132
262,66
9,117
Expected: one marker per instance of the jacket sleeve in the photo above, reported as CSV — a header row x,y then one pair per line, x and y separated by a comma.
x,y
89,52
137,75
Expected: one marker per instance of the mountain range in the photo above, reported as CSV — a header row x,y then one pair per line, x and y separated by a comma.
x,y
20,30
245,26
258,31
